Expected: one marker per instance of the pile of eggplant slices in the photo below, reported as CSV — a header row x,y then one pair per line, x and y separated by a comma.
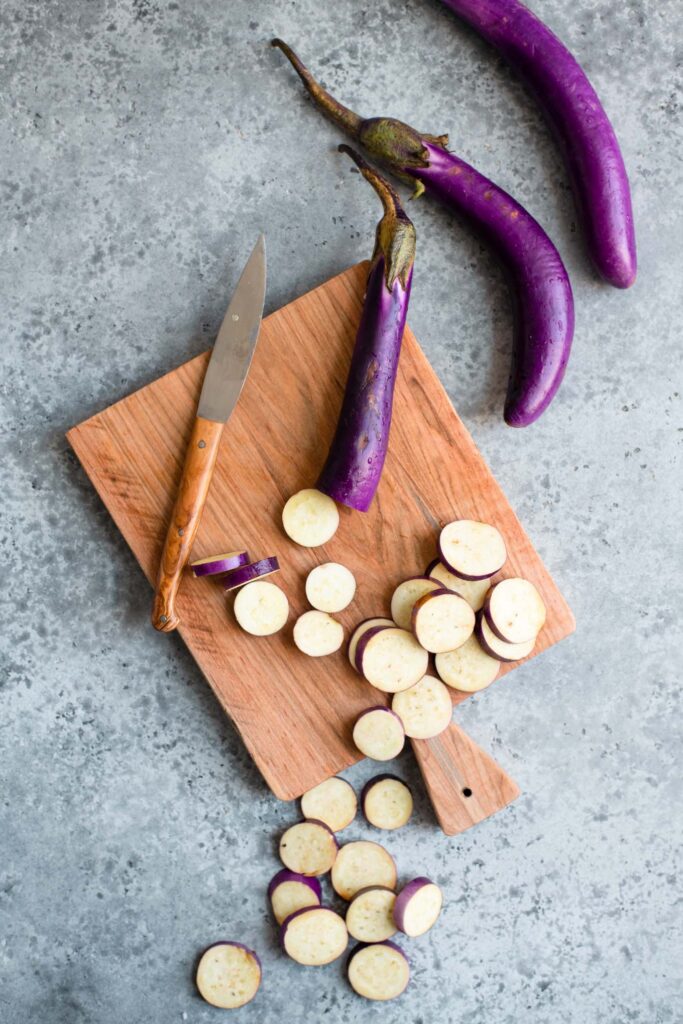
x,y
453,610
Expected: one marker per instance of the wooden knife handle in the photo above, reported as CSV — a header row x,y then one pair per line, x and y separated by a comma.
x,y
187,512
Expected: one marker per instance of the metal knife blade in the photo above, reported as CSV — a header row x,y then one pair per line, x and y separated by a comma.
x,y
234,347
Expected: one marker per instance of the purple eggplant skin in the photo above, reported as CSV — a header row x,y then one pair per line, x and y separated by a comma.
x,y
578,121
405,896
354,463
360,650
237,945
285,875
543,305
373,781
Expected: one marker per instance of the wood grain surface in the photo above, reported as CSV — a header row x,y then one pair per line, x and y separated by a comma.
x,y
294,713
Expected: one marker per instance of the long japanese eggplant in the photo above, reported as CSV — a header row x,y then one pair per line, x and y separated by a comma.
x,y
579,122
353,467
543,305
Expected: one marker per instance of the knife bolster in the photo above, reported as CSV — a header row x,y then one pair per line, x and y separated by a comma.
x,y
200,460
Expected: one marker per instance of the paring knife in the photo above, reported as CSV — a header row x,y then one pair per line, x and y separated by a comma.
x,y
225,376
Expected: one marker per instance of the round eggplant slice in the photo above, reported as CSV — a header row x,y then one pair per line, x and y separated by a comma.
x,y
390,658
333,802
330,587
317,634
261,608
289,891
228,975
379,971
310,518
379,733
248,573
425,709
386,802
474,591
358,632
417,906
442,621
406,594
472,550
515,611
370,916
309,848
361,865
314,936
496,648
469,669
215,565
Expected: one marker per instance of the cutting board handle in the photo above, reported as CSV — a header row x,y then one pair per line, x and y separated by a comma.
x,y
464,783
200,460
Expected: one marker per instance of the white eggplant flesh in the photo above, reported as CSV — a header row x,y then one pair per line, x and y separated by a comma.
x,y
425,709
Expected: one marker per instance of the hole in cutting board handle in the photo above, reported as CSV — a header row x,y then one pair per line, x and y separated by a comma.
x,y
467,791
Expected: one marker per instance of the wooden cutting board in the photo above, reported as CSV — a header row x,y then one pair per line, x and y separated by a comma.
x,y
295,713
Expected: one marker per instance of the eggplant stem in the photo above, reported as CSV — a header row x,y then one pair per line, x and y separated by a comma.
x,y
335,110
388,195
395,235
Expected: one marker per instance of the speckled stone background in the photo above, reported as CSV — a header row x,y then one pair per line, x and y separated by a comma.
x,y
144,144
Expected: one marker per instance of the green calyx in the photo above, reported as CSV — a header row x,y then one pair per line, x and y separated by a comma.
x,y
398,146
392,143
395,235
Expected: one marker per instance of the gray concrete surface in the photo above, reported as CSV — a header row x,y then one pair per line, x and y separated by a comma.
x,y
143,146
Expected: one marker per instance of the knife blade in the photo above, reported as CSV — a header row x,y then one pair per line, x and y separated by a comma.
x,y
223,381
236,340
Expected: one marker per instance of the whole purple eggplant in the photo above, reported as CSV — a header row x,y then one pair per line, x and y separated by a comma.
x,y
353,468
580,124
543,305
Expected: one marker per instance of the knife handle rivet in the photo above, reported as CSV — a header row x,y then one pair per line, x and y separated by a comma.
x,y
163,618
181,532
235,317
202,444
